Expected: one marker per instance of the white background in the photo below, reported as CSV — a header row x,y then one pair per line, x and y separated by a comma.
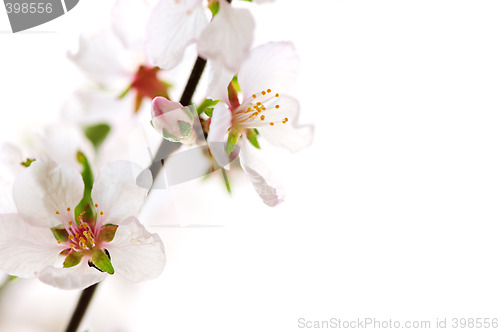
x,y
392,213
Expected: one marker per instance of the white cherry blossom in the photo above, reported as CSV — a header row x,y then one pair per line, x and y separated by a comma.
x,y
263,105
45,240
175,24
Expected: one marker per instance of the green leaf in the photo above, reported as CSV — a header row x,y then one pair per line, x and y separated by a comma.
x,y
107,233
214,7
28,162
232,139
186,128
97,133
235,83
170,137
60,233
86,203
252,138
74,258
209,111
207,103
102,261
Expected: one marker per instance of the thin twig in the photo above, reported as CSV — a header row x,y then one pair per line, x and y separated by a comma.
x,y
166,148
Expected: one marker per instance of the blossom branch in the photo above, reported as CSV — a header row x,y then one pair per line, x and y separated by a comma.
x,y
81,308
166,148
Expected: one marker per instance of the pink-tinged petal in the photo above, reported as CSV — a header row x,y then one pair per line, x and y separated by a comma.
x,y
97,57
270,66
269,189
288,135
228,37
77,277
220,77
120,190
24,249
45,188
262,1
217,135
129,19
173,25
135,253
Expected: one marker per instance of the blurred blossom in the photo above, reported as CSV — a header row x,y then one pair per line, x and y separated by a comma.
x,y
47,239
175,24
260,110
114,57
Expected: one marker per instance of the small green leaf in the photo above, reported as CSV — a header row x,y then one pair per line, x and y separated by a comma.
x,y
74,258
60,233
186,128
236,85
86,203
97,133
232,139
252,138
170,137
209,111
107,233
206,104
214,7
28,162
102,261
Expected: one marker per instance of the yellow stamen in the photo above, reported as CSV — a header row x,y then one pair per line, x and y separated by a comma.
x,y
71,237
271,123
268,90
101,213
262,117
57,212
254,95
79,218
96,205
58,241
285,120
263,93
277,106
68,209
277,95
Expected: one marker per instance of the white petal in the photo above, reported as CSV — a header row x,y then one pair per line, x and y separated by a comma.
x,y
173,25
228,37
290,135
76,277
120,190
262,1
269,189
270,66
100,57
219,125
135,253
129,19
61,142
10,167
25,249
220,77
44,188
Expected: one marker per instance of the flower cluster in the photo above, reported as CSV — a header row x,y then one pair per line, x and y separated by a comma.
x,y
61,226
